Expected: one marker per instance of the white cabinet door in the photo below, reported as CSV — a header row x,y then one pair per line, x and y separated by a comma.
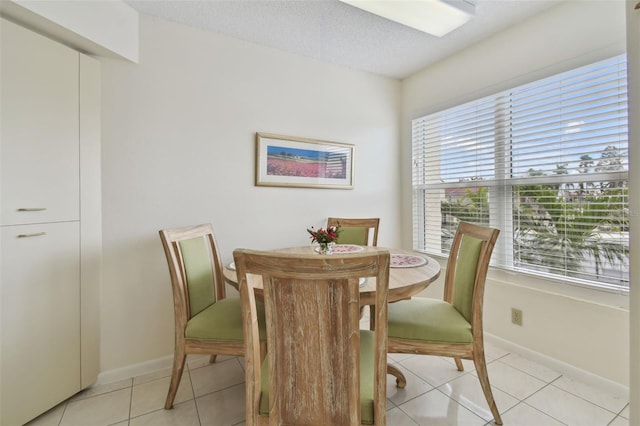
x,y
40,318
40,128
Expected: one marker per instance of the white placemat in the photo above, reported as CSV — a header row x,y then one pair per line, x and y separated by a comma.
x,y
347,248
406,261
343,248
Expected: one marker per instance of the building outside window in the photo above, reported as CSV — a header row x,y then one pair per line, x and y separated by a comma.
x,y
546,163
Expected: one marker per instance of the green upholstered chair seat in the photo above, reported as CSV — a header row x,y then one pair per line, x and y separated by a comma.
x,y
367,350
222,321
428,320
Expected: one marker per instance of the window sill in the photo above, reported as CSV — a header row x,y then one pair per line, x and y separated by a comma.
x,y
562,288
558,288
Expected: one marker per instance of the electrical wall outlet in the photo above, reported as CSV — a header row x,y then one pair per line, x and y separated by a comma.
x,y
516,316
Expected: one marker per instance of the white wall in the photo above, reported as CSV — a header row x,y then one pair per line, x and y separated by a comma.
x,y
178,149
577,327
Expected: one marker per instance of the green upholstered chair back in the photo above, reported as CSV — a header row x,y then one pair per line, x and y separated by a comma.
x,y
467,268
353,235
465,275
198,268
356,231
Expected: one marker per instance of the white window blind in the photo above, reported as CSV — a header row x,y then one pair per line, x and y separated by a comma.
x,y
546,163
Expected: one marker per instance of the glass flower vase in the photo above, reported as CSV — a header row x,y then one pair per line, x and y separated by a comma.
x,y
325,248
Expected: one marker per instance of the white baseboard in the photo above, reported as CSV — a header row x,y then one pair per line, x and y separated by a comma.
x,y
562,367
135,370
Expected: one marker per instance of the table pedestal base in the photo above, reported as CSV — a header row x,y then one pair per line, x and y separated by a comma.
x,y
401,382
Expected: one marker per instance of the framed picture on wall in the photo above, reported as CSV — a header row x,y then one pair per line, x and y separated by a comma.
x,y
301,162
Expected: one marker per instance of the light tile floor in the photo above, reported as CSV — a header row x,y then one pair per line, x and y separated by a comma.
x,y
527,394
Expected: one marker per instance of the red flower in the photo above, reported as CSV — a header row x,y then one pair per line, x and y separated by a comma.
x,y
323,236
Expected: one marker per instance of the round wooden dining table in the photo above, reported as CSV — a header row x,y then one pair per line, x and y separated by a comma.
x,y
409,272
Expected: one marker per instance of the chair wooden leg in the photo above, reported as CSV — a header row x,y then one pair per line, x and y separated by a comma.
x,y
401,381
212,359
459,364
481,369
176,374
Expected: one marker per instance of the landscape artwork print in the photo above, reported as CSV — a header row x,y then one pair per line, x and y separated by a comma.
x,y
282,161
302,162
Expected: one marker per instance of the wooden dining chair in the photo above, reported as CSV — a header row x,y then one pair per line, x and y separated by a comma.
x,y
206,321
451,327
356,231
321,369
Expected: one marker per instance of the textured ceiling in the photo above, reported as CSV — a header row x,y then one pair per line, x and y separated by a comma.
x,y
331,31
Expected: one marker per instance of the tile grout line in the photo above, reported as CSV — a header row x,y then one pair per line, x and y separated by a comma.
x,y
193,393
130,401
535,408
463,406
66,404
581,397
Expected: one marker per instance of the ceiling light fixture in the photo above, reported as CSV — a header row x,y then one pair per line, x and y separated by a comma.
x,y
435,17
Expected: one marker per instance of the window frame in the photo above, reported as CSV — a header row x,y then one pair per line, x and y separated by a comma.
x,y
500,188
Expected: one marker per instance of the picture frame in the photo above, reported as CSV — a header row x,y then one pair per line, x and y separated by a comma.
x,y
289,161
